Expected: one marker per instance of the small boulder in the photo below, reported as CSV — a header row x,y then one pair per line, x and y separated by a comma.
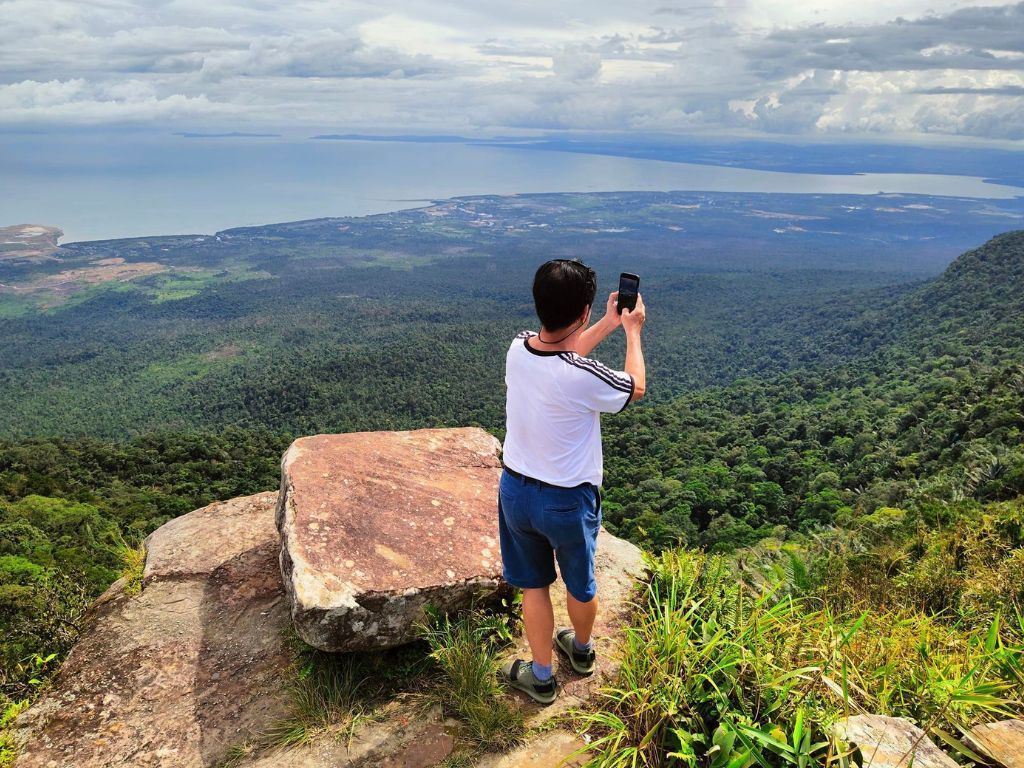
x,y
1002,741
892,742
376,526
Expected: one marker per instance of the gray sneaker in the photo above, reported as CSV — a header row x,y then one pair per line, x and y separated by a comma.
x,y
519,674
582,661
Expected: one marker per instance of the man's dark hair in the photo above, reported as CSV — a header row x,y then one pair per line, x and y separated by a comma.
x,y
562,288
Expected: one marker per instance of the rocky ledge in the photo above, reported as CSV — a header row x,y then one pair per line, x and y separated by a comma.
x,y
176,675
199,663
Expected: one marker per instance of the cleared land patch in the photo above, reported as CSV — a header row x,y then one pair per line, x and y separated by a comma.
x,y
30,242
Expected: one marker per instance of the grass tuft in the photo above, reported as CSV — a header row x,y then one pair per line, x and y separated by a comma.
x,y
334,693
132,557
465,649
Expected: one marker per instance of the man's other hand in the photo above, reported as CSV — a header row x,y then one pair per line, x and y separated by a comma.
x,y
611,311
634,319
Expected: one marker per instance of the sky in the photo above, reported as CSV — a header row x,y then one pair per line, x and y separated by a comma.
x,y
867,69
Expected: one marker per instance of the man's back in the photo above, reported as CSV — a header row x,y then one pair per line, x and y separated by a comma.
x,y
553,404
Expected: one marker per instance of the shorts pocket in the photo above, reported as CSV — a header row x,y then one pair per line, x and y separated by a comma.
x,y
563,509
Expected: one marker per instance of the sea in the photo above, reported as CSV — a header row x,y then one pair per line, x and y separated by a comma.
x,y
95,185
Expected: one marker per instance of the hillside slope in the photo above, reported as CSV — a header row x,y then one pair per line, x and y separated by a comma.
x,y
932,415
936,413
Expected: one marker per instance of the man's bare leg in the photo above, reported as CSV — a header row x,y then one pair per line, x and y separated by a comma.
x,y
539,619
581,615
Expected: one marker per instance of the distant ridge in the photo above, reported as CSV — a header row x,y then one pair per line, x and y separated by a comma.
x,y
979,297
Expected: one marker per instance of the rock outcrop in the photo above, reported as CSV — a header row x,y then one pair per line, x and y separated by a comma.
x,y
1003,742
199,664
892,742
376,526
178,674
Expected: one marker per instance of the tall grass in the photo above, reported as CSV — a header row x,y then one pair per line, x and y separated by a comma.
x,y
715,673
132,557
465,649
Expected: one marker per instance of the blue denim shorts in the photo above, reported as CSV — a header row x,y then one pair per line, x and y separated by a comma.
x,y
539,523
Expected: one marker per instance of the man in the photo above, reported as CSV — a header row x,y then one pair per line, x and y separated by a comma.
x,y
549,502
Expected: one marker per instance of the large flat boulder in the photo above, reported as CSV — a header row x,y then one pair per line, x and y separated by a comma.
x,y
176,676
376,526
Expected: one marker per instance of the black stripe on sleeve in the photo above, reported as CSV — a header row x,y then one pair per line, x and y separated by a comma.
x,y
632,389
615,382
599,369
603,369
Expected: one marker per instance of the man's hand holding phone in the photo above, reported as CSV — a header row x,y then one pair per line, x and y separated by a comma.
x,y
634,319
611,312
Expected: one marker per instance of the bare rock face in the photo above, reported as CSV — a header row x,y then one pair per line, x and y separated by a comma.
x,y
892,742
376,526
179,674
1002,741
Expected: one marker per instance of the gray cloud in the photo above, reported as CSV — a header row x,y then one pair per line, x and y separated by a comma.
x,y
576,63
964,39
943,90
485,66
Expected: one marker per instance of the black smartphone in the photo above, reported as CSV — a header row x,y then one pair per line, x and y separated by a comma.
x,y
629,287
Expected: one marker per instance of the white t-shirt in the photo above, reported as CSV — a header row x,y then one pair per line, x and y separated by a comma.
x,y
553,406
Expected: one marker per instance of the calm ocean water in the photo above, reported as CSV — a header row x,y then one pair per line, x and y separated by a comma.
x,y
97,186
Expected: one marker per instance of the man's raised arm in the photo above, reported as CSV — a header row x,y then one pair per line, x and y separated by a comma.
x,y
632,322
596,333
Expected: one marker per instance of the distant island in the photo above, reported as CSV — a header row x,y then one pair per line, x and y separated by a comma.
x,y
441,139
231,135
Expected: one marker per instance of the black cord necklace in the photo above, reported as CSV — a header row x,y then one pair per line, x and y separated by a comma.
x,y
570,333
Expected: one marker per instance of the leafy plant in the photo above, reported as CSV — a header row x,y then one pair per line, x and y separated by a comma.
x,y
8,746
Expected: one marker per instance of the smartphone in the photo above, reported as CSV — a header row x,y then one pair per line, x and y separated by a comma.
x,y
629,287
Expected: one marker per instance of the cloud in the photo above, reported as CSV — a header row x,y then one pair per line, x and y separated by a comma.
x,y
943,90
880,67
798,108
317,54
577,64
965,39
82,102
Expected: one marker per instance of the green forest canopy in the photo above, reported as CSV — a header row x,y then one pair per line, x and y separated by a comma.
x,y
925,416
